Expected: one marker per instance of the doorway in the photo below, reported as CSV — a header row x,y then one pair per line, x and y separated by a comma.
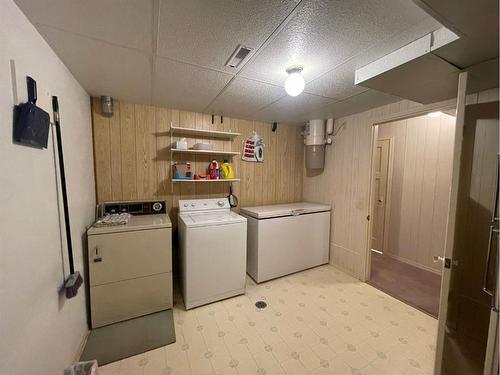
x,y
412,162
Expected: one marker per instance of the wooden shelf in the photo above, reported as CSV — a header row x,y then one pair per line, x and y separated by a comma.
x,y
204,152
219,180
202,132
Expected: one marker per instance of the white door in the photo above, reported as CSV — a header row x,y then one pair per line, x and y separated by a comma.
x,y
381,182
468,310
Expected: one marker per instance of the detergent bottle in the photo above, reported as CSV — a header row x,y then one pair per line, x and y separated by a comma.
x,y
226,170
213,170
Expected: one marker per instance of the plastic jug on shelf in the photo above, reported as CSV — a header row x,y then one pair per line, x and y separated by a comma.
x,y
226,170
181,144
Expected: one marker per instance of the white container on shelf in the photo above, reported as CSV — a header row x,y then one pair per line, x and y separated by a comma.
x,y
181,144
203,146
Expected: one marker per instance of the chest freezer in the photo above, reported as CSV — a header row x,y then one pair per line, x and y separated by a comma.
x,y
286,238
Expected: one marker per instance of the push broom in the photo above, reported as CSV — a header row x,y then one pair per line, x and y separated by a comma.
x,y
74,280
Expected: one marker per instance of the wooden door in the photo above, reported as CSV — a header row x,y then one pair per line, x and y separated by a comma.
x,y
464,314
381,186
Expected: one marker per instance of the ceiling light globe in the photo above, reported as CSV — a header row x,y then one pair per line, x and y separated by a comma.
x,y
294,84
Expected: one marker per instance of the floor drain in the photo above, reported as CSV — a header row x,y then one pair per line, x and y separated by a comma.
x,y
260,304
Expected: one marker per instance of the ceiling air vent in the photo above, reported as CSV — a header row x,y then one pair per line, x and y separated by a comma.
x,y
239,54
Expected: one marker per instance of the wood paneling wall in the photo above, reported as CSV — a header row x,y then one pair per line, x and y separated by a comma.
x,y
132,157
345,181
420,189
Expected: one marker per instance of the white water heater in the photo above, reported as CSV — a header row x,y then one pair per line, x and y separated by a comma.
x,y
315,140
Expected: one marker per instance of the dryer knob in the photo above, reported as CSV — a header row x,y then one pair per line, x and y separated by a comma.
x,y
220,203
193,204
185,204
157,206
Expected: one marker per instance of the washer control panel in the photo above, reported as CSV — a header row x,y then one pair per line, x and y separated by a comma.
x,y
190,205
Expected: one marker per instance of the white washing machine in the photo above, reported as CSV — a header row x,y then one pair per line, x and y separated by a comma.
x,y
213,251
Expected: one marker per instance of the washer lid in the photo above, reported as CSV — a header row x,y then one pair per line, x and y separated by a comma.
x,y
280,210
211,218
136,222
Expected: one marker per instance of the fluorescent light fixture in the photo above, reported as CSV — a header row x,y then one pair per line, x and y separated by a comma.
x,y
434,114
294,83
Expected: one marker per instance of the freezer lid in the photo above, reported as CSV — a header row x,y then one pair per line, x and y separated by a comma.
x,y
280,210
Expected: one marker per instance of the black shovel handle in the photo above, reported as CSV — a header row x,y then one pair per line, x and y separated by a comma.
x,y
55,108
32,94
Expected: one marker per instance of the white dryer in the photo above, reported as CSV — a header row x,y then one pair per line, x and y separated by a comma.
x,y
213,250
130,265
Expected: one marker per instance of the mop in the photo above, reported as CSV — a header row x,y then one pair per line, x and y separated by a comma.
x,y
74,280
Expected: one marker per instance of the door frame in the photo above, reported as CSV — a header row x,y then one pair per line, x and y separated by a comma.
x,y
450,225
416,111
388,190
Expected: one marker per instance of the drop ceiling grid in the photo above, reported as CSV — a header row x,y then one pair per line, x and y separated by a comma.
x,y
292,109
98,75
256,51
216,28
346,87
126,24
323,34
191,74
322,85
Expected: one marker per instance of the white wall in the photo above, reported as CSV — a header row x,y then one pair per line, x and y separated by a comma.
x,y
345,182
40,331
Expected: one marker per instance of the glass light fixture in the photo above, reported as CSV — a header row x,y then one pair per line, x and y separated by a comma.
x,y
294,83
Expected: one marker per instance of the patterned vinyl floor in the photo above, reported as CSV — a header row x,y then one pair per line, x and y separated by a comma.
x,y
319,321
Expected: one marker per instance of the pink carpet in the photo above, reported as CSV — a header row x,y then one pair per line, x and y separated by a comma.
x,y
412,285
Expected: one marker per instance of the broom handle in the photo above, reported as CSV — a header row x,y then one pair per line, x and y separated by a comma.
x,y
55,108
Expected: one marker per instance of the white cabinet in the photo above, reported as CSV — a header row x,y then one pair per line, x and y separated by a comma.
x,y
130,273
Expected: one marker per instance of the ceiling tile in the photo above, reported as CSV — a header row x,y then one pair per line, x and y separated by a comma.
x,y
185,86
120,72
125,23
292,109
323,34
355,104
244,97
425,79
214,28
331,38
337,83
476,20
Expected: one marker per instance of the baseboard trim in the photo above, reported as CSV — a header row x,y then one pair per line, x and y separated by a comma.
x,y
344,270
82,346
414,264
